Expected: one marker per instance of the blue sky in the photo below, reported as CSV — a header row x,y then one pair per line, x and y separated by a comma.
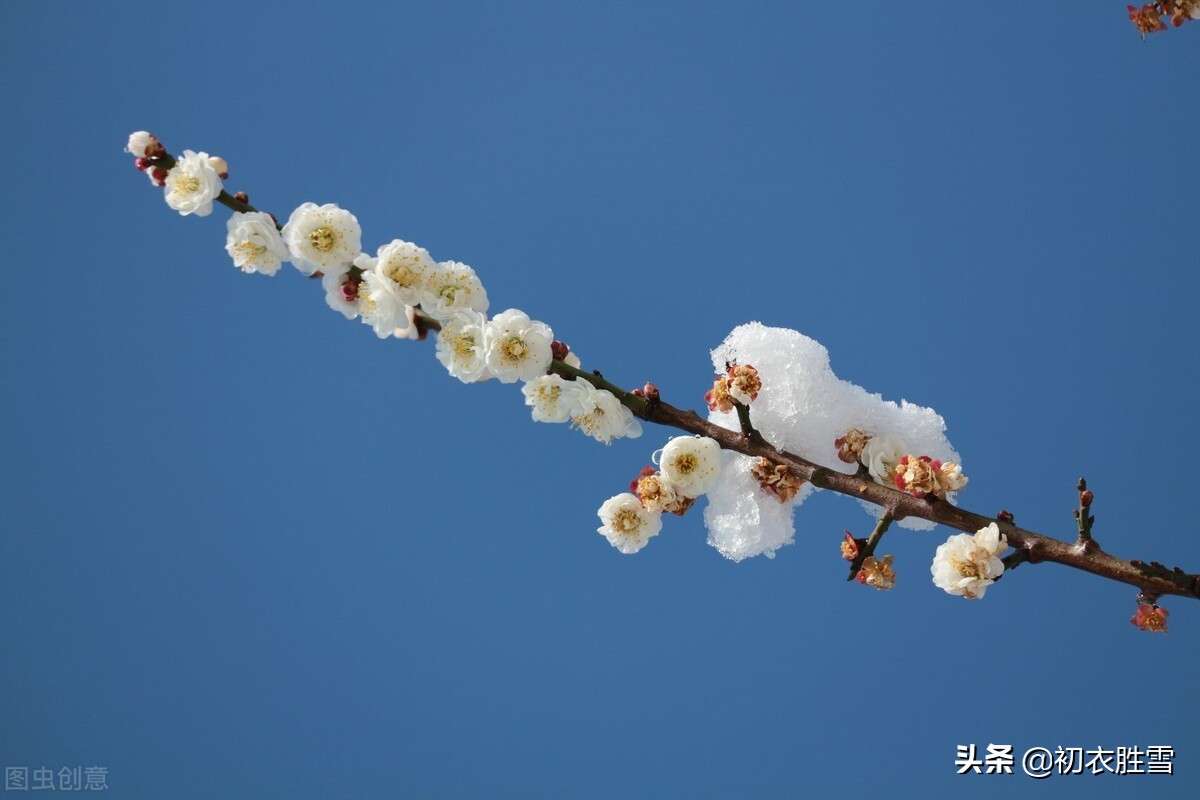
x,y
249,550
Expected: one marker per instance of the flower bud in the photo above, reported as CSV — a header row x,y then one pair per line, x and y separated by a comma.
x,y
650,392
851,445
143,143
219,166
242,197
1086,497
559,350
850,546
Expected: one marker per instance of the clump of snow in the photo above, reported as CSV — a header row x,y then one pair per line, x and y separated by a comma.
x,y
802,408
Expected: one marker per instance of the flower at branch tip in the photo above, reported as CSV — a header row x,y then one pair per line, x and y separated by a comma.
x,y
627,526
192,185
1146,19
718,397
518,348
744,383
656,493
967,564
1184,10
461,347
254,244
776,479
382,307
551,397
851,445
408,266
599,414
691,464
325,238
143,144
451,287
880,455
877,572
850,546
1150,617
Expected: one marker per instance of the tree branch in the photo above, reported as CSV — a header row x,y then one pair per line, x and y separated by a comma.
x,y
1152,579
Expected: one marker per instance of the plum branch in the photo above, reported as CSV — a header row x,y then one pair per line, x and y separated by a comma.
x,y
922,485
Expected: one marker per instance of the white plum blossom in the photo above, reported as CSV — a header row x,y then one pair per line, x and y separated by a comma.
x,y
450,287
951,478
551,398
254,243
627,526
192,185
407,265
219,165
691,464
341,293
599,414
461,346
325,238
517,348
966,565
141,144
880,455
572,360
381,306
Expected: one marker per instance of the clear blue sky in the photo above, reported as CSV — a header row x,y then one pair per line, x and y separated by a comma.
x,y
251,551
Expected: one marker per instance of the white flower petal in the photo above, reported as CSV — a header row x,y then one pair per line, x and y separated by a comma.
x,y
627,526
192,185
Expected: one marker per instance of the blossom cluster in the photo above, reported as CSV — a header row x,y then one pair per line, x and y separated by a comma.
x,y
1148,18
739,385
390,290
886,460
687,468
401,291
